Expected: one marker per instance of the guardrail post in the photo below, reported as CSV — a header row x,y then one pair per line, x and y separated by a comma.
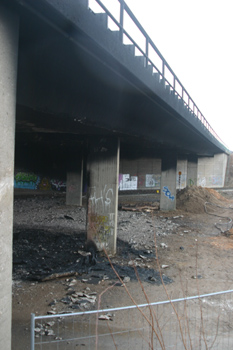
x,y
147,50
122,6
32,331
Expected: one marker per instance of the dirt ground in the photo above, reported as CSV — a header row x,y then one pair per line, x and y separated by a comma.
x,y
194,253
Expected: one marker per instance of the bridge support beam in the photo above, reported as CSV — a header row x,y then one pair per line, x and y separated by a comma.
x,y
9,31
102,192
192,171
74,180
168,183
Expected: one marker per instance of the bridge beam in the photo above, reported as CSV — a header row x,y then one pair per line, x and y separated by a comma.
x,y
192,171
9,31
102,192
168,182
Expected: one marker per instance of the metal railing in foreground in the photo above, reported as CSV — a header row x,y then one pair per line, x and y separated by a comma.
x,y
198,322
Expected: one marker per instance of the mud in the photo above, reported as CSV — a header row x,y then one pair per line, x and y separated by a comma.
x,y
185,247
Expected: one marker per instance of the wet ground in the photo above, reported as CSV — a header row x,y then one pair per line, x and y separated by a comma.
x,y
187,250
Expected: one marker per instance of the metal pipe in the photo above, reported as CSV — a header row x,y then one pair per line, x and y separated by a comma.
x,y
33,331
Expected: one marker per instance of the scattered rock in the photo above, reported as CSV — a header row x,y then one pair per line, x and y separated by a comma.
x,y
197,277
153,279
49,332
37,330
126,279
163,245
164,266
107,317
51,312
67,217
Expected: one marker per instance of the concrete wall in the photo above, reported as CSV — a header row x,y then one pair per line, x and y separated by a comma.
x,y
32,181
135,174
145,173
140,174
212,171
229,172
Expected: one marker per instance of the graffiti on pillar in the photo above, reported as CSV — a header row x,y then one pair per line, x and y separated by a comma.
x,y
191,182
202,182
45,184
26,180
212,180
72,188
101,201
217,180
167,193
101,228
58,185
101,219
153,180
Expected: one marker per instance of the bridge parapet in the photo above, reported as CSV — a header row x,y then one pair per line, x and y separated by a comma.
x,y
150,57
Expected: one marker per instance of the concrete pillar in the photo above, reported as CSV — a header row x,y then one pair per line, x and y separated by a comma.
x,y
74,183
102,192
9,31
168,183
192,171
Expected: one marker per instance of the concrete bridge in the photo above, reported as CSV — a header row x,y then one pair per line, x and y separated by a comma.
x,y
66,77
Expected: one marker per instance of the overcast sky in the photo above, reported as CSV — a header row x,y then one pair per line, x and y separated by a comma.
x,y
195,38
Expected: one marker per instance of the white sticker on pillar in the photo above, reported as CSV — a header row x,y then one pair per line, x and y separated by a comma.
x,y
128,182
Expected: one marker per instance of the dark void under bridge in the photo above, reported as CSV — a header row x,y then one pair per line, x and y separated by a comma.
x,y
64,72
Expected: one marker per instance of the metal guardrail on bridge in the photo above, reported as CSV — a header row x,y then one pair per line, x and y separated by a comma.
x,y
165,72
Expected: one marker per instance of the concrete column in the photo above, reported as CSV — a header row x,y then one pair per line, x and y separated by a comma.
x,y
9,31
192,171
168,183
74,183
102,192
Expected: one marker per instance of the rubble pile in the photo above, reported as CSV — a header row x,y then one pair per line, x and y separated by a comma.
x,y
193,199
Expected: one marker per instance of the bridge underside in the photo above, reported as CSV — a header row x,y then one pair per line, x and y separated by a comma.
x,y
72,85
